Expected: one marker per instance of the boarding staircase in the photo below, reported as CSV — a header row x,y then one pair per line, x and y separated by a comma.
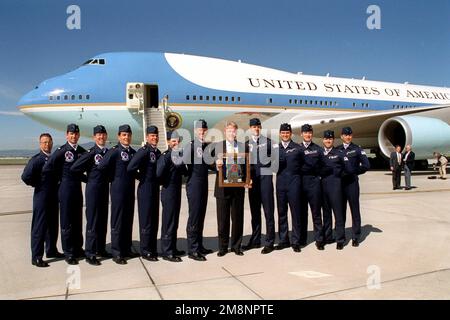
x,y
156,117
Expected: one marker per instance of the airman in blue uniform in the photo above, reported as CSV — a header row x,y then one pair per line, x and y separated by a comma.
x,y
69,193
332,192
288,188
115,163
311,187
170,171
143,165
44,225
355,163
97,196
197,191
261,193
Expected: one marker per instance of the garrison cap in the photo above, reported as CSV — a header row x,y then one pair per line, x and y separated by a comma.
x,y
152,130
307,127
125,128
73,128
200,124
285,127
328,134
255,122
99,129
347,130
173,135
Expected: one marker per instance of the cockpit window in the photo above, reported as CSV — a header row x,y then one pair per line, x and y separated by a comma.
x,y
94,61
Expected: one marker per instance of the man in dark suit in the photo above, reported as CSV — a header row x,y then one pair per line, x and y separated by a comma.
x,y
408,164
395,162
229,200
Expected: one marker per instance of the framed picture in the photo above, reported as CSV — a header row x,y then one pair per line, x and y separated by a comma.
x,y
235,170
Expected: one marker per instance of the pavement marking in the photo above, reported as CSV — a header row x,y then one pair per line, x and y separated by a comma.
x,y
87,292
382,282
151,279
236,278
15,212
310,274
209,279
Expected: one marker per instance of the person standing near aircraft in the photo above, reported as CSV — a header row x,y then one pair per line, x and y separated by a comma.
x,y
170,170
311,187
44,225
355,163
408,165
395,162
197,190
115,163
229,200
261,192
69,193
97,197
289,188
143,165
441,162
332,192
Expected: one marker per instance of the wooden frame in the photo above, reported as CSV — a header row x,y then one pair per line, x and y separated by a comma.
x,y
242,184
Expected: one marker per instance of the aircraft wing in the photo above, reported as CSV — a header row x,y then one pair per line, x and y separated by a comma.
x,y
365,124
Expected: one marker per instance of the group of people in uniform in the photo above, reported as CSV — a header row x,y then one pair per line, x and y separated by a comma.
x,y
323,177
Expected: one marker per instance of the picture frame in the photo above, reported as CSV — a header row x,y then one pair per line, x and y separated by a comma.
x,y
233,173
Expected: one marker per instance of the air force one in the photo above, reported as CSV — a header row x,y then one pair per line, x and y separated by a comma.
x,y
172,90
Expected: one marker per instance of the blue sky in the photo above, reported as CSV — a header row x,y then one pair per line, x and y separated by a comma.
x,y
315,37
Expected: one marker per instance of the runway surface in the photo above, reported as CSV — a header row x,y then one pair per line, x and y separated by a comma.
x,y
404,254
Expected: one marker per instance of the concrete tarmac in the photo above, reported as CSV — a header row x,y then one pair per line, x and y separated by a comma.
x,y
404,254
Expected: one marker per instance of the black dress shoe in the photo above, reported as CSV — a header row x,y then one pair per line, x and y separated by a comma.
x,y
237,252
267,249
172,258
205,251
71,260
119,260
320,245
197,256
355,243
339,246
251,246
282,246
56,254
296,248
93,261
104,254
150,257
221,253
39,263
177,252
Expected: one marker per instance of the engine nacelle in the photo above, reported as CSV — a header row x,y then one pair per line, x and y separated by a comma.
x,y
424,134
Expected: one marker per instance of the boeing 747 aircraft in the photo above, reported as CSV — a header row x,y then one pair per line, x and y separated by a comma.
x,y
173,90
